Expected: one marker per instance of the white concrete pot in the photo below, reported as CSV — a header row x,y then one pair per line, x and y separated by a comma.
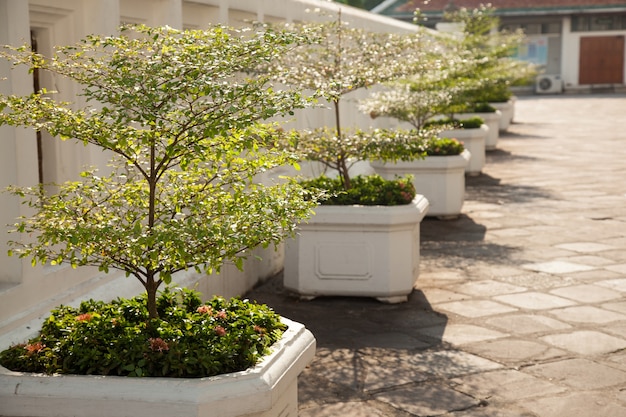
x,y
474,141
492,120
506,108
441,179
369,251
268,389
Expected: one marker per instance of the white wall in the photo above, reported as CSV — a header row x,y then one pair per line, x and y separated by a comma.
x,y
27,293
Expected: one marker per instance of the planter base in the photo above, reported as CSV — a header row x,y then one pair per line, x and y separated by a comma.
x,y
474,141
441,179
363,251
267,390
492,120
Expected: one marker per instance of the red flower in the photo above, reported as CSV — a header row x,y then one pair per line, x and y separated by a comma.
x,y
84,317
220,331
221,315
33,348
204,309
158,345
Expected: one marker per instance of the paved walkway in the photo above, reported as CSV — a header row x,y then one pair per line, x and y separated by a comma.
x,y
520,308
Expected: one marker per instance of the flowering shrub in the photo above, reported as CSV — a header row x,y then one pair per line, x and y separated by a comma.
x,y
371,190
189,339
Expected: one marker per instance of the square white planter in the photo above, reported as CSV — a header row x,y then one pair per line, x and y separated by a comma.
x,y
368,251
506,108
269,389
441,179
474,141
492,120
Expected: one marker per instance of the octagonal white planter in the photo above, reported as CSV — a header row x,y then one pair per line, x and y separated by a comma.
x,y
506,108
367,251
474,141
441,179
492,120
269,389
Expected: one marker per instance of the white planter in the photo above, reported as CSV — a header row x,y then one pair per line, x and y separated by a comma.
x,y
506,108
369,251
474,141
441,179
492,120
267,390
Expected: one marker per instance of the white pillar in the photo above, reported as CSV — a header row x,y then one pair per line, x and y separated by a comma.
x,y
18,154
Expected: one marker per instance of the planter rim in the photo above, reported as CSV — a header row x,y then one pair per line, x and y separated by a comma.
x,y
373,215
466,133
435,161
485,116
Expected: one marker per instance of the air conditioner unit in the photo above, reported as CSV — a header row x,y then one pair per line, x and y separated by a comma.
x,y
549,84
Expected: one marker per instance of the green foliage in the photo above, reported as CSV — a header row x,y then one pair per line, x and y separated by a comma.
x,y
414,100
370,190
471,123
342,60
494,93
188,134
443,147
480,108
190,339
480,66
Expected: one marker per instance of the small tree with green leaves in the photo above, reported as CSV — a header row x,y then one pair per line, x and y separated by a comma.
x,y
186,130
343,60
483,54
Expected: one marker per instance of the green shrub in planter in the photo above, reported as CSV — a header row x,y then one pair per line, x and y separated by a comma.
x,y
370,190
189,339
471,123
480,108
443,147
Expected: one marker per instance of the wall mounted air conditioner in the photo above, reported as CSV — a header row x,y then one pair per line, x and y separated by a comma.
x,y
549,84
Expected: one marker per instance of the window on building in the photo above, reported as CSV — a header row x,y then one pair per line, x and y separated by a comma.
x,y
534,28
594,23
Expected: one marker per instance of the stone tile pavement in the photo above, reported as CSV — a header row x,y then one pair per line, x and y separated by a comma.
x,y
520,308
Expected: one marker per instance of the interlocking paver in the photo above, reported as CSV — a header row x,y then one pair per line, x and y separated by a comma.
x,y
519,308
527,323
534,300
587,314
586,342
579,374
576,405
558,267
476,308
427,399
587,293
586,247
507,384
459,334
513,351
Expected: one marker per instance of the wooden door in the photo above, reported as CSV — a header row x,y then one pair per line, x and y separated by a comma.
x,y
601,60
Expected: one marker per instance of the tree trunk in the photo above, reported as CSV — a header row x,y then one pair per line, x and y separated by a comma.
x,y
151,290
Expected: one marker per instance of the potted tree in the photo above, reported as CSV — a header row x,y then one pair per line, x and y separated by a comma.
x,y
361,246
436,165
472,133
186,134
486,58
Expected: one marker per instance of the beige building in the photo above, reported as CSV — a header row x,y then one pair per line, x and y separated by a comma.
x,y
578,43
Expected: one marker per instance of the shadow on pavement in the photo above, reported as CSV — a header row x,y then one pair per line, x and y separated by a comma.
x,y
486,189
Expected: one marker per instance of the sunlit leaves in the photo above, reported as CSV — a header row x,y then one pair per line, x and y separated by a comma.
x,y
188,130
